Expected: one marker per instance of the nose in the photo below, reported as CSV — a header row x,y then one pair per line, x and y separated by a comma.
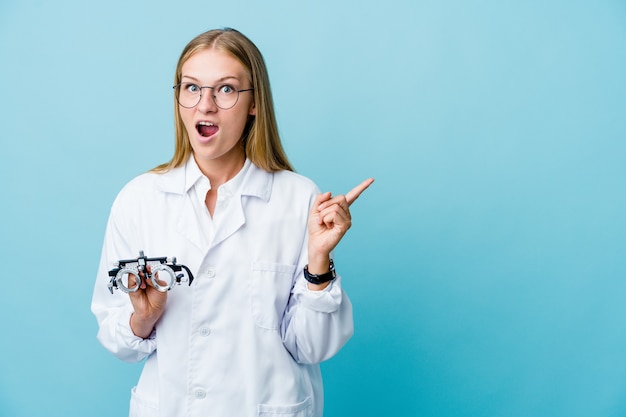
x,y
207,103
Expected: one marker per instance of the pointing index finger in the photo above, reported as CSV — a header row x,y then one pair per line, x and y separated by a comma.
x,y
353,194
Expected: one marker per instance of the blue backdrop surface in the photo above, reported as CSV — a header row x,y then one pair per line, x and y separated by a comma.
x,y
485,265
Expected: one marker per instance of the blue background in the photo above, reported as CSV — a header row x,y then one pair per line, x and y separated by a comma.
x,y
486,264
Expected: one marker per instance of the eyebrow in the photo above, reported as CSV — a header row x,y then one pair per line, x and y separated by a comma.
x,y
227,77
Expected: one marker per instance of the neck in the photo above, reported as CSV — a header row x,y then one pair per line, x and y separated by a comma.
x,y
220,171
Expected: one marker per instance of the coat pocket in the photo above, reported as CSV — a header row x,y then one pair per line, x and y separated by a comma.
x,y
142,407
270,288
302,409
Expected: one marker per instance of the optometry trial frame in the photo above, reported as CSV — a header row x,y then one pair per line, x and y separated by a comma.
x,y
158,266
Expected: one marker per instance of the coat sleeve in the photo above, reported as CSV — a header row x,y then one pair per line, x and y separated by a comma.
x,y
113,311
316,324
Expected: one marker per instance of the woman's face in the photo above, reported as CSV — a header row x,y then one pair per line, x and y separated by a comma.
x,y
215,133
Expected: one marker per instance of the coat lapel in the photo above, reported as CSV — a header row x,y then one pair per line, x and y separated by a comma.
x,y
179,183
255,184
232,219
188,227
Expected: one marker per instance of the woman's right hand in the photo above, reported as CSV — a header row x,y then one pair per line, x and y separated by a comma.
x,y
148,304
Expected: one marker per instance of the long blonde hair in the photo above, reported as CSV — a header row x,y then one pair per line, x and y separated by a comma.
x,y
260,138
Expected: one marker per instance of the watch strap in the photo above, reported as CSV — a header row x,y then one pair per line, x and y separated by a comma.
x,y
321,278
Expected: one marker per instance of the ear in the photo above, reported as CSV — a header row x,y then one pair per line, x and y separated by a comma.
x,y
252,111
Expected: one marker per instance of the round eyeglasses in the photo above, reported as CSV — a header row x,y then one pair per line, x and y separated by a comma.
x,y
225,96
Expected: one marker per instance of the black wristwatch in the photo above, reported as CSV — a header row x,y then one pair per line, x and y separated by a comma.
x,y
322,278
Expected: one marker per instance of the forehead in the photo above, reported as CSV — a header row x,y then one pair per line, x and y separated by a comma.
x,y
213,64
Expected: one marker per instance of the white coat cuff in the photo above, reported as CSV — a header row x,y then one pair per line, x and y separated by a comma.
x,y
327,300
126,337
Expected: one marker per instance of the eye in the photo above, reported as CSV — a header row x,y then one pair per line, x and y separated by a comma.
x,y
191,88
225,89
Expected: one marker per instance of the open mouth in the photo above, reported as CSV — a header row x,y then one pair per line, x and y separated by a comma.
x,y
206,129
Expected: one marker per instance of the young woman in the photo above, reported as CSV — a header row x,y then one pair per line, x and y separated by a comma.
x,y
265,307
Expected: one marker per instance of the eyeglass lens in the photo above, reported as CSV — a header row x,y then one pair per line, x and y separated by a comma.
x,y
188,95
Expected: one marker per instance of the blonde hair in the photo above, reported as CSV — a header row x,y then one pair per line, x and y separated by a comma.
x,y
260,138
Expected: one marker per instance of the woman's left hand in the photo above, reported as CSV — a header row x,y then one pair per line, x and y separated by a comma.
x,y
329,221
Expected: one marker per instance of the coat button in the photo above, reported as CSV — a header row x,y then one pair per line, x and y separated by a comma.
x,y
205,331
200,394
210,273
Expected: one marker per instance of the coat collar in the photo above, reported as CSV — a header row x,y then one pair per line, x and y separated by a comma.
x,y
255,182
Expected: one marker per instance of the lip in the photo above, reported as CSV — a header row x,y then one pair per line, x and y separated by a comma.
x,y
206,139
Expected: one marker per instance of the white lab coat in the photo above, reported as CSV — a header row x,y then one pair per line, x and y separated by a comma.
x,y
246,338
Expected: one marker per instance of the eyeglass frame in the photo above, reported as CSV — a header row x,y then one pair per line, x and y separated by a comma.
x,y
212,95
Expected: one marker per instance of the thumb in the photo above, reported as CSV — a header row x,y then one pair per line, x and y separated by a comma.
x,y
319,199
